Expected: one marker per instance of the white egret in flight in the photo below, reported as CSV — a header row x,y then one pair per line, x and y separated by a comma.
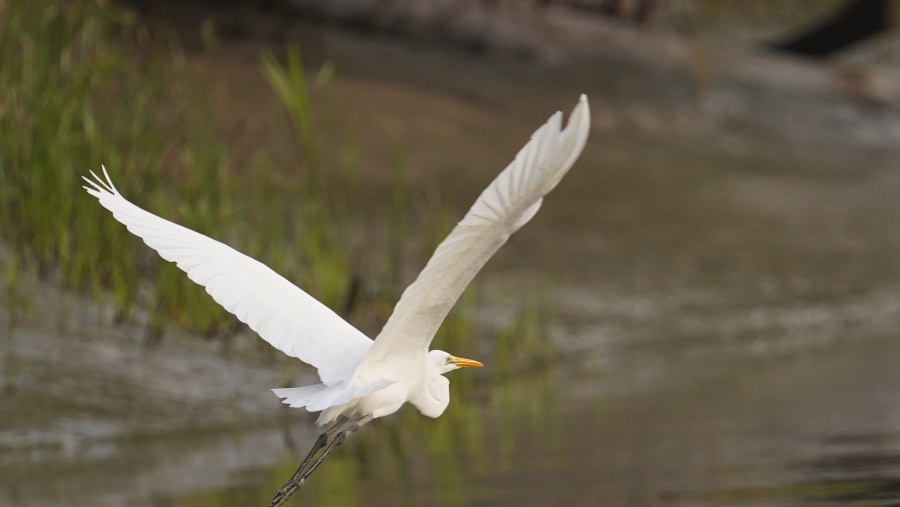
x,y
362,379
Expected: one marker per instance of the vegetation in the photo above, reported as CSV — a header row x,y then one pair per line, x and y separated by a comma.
x,y
75,97
57,64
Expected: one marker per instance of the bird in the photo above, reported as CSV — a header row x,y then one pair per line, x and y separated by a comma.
x,y
363,379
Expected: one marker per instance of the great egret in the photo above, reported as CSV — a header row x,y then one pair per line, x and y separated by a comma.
x,y
364,379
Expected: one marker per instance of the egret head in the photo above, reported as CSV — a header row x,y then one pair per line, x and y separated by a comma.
x,y
445,362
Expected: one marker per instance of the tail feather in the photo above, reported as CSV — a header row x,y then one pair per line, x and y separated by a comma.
x,y
320,396
297,397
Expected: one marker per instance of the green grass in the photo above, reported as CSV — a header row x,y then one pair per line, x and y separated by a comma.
x,y
60,68
75,96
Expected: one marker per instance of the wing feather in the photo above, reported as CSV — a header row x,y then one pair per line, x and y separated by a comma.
x,y
507,204
280,312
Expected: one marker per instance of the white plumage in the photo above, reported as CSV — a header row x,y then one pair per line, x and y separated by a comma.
x,y
361,377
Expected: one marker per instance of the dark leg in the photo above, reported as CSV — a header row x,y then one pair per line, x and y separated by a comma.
x,y
294,484
320,443
338,440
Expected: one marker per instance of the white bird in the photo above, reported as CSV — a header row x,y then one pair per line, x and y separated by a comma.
x,y
360,378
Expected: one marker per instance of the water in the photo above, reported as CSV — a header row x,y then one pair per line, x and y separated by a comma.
x,y
821,427
722,266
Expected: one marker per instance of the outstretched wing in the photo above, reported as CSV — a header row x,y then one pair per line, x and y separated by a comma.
x,y
280,312
507,204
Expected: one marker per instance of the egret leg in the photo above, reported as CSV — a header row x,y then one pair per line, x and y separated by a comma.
x,y
295,482
320,443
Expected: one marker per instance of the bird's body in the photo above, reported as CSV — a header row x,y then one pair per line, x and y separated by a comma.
x,y
414,379
360,378
422,384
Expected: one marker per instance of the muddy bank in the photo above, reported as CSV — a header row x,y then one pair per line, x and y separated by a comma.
x,y
709,44
72,374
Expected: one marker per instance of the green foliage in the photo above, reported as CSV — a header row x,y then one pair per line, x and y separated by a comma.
x,y
60,74
75,96
289,83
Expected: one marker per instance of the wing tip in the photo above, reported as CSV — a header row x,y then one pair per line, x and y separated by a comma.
x,y
100,186
580,123
582,112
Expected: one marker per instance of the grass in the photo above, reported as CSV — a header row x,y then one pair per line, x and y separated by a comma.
x,y
58,64
78,98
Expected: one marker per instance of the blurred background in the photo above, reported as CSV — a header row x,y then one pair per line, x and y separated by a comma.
x,y
705,311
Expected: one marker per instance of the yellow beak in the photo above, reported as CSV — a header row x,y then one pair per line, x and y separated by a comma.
x,y
466,363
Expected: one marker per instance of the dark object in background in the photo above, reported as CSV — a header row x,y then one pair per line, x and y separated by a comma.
x,y
856,21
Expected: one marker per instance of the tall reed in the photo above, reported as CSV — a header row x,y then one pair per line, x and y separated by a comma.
x,y
61,71
74,96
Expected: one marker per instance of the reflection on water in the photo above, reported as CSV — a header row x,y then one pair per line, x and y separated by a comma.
x,y
410,460
856,468
819,429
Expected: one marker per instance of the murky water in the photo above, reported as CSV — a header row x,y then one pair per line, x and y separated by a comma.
x,y
722,264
